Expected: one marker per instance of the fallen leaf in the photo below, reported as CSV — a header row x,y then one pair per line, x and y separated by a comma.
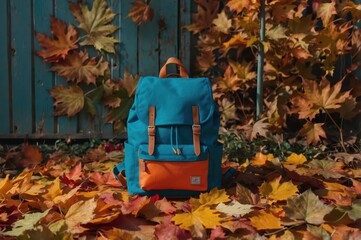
x,y
217,233
215,196
31,156
222,23
209,218
313,132
307,207
238,5
234,208
245,196
296,159
326,12
168,231
134,204
263,220
276,191
355,212
57,48
27,223
207,11
79,213
165,206
141,12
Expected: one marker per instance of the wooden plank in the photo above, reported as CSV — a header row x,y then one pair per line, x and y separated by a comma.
x,y
65,124
185,36
21,66
128,41
148,44
44,79
4,69
168,24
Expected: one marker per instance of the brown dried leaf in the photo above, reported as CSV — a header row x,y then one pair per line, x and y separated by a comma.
x,y
141,12
58,47
68,101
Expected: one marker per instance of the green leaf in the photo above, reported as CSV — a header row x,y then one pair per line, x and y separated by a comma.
x,y
355,212
307,207
90,106
27,223
121,112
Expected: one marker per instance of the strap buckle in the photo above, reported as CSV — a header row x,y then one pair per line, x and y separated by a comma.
x,y
196,128
151,130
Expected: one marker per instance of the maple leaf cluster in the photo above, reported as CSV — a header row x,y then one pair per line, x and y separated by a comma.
x,y
61,196
305,75
72,62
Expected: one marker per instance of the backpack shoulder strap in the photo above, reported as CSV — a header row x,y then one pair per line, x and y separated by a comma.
x,y
118,173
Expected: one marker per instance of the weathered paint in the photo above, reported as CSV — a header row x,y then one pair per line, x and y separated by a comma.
x,y
25,102
4,69
43,78
21,66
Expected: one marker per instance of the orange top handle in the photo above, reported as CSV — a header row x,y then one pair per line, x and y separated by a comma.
x,y
172,60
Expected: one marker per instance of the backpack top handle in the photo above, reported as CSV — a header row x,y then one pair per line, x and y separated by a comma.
x,y
172,60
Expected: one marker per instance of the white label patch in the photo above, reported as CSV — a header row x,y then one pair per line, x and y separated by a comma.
x,y
195,180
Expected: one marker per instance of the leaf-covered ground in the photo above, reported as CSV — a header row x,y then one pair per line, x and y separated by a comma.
x,y
62,196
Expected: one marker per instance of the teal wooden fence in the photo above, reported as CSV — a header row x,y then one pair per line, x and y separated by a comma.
x,y
26,108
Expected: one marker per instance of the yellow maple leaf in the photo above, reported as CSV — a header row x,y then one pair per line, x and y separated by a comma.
x,y
312,132
296,159
5,186
277,191
209,218
260,159
263,220
236,41
215,196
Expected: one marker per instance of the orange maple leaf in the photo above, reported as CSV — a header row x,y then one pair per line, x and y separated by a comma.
x,y
318,97
238,5
58,47
313,132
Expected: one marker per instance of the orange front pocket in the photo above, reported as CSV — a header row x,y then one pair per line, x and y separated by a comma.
x,y
178,175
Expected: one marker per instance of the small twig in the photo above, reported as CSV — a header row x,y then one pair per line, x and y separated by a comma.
x,y
339,129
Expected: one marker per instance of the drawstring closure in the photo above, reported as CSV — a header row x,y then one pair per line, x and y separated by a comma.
x,y
177,149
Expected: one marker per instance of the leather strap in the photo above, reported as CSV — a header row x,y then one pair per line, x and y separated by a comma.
x,y
182,70
118,171
151,130
196,128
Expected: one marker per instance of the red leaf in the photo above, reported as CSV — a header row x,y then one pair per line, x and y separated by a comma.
x,y
134,204
167,230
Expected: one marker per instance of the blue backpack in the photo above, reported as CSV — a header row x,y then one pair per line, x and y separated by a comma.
x,y
172,147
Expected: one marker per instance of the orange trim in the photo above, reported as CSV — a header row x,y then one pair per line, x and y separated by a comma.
x,y
161,175
196,128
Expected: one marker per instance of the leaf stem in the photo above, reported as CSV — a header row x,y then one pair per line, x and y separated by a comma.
x,y
339,129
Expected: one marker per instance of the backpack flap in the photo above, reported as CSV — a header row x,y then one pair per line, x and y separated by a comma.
x,y
173,99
